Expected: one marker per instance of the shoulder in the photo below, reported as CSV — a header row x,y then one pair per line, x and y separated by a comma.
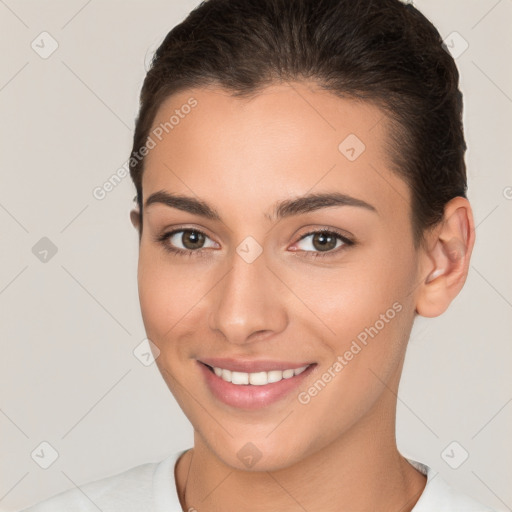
x,y
440,496
129,491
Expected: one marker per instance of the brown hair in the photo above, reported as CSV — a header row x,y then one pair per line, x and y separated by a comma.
x,y
385,52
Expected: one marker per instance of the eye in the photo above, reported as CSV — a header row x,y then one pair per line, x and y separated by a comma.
x,y
188,242
185,241
324,242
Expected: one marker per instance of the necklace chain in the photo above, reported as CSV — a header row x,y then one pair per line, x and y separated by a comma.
x,y
186,483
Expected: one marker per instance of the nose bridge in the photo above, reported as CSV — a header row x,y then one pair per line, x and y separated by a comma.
x,y
245,301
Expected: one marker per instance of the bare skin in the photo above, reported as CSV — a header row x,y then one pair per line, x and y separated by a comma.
x,y
337,452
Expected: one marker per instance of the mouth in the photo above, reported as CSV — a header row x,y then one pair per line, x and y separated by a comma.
x,y
261,378
261,384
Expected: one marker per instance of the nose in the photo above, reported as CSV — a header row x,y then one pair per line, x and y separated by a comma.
x,y
247,305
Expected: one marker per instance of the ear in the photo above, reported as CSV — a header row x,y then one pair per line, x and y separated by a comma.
x,y
445,260
135,218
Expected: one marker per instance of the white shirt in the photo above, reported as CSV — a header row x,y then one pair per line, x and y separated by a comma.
x,y
151,487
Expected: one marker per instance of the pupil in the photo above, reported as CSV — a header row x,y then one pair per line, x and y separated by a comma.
x,y
326,241
192,239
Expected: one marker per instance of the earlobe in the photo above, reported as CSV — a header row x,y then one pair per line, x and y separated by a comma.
x,y
446,263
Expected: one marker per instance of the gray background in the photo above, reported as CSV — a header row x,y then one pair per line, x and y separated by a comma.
x,y
69,324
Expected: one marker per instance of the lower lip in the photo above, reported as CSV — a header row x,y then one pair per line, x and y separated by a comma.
x,y
248,396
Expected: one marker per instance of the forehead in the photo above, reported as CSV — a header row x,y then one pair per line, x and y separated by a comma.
x,y
284,141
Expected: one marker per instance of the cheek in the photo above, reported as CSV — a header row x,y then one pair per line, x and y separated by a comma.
x,y
368,308
167,288
161,296
355,296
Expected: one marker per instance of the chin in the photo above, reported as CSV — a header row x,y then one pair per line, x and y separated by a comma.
x,y
258,453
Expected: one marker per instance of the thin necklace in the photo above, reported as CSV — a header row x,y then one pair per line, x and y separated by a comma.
x,y
186,482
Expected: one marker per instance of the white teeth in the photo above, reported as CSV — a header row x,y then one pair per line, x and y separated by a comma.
x,y
299,370
274,376
239,378
257,378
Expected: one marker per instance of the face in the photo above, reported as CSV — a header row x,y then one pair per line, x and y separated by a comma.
x,y
255,273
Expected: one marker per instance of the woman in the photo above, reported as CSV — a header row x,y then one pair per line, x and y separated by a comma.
x,y
301,197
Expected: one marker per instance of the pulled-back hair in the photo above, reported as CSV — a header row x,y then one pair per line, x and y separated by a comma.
x,y
384,52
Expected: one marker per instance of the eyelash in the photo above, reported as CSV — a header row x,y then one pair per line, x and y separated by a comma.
x,y
163,239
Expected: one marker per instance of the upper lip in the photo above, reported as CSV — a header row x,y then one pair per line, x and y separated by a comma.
x,y
248,366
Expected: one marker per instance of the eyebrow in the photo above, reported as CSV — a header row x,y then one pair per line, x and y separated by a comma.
x,y
280,210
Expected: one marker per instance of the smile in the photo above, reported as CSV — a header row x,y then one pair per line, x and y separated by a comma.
x,y
256,378
262,384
